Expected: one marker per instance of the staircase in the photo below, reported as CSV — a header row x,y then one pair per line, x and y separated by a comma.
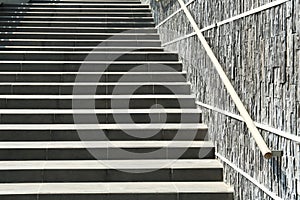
x,y
92,107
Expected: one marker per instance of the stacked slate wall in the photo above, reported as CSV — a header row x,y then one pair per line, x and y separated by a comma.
x,y
261,55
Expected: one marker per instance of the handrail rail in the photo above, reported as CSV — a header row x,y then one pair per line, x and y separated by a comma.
x,y
266,152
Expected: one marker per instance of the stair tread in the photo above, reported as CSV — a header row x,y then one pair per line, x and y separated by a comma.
x,y
115,188
80,8
105,144
82,1
80,28
91,83
59,33
76,4
112,164
83,47
90,62
69,12
149,73
73,17
74,22
77,40
88,52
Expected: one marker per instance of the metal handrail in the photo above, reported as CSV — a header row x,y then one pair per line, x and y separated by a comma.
x,y
266,152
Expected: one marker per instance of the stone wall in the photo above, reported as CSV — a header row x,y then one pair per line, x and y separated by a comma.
x,y
261,55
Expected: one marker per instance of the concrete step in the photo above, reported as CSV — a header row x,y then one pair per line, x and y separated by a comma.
x,y
89,1
77,23
77,29
117,191
81,42
87,55
86,48
73,13
106,150
111,135
57,88
138,9
99,36
110,171
87,77
141,116
25,67
116,132
96,101
77,19
77,5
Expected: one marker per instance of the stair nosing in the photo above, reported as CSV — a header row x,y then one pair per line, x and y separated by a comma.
x,y
105,144
79,28
92,83
94,73
61,33
76,40
116,188
116,164
87,62
73,17
88,52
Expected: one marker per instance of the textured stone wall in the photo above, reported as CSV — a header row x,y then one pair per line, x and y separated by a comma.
x,y
261,55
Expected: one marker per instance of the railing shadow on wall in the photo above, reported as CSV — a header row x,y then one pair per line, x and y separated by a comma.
x,y
278,177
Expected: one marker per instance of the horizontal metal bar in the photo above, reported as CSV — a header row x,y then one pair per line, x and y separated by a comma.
x,y
247,176
266,152
179,39
226,21
253,11
173,14
259,125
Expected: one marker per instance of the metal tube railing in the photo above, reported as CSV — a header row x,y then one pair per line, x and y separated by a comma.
x,y
266,152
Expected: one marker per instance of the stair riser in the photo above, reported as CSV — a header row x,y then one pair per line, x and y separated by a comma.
x,y
75,14
101,90
83,19
104,154
110,175
99,37
111,135
72,24
78,6
91,57
76,30
102,118
122,78
99,103
91,1
84,43
76,49
84,9
88,68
